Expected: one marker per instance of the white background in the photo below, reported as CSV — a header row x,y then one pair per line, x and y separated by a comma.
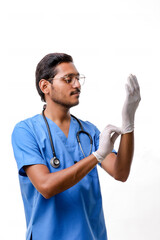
x,y
108,40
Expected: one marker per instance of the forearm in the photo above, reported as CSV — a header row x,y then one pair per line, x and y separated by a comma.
x,y
66,178
124,157
119,166
50,184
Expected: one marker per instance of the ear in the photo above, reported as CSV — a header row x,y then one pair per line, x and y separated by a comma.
x,y
44,86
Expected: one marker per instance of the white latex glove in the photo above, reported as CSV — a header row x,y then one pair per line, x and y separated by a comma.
x,y
130,105
106,142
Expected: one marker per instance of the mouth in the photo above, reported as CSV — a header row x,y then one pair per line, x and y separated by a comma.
x,y
77,92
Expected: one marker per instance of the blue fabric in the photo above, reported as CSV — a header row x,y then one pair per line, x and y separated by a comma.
x,y
76,213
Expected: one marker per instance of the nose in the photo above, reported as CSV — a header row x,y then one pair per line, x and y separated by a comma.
x,y
76,83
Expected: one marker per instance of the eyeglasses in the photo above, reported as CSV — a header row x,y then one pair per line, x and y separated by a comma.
x,y
71,79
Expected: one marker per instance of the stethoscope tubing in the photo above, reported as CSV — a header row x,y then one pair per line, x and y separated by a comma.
x,y
55,162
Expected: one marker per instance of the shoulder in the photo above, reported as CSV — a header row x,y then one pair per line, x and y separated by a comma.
x,y
28,121
26,125
89,125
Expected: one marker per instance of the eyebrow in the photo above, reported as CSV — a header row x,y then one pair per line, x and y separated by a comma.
x,y
77,74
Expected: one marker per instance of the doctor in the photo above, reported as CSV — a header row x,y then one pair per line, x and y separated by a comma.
x,y
63,202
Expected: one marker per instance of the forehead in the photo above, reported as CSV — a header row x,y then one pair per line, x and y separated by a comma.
x,y
66,68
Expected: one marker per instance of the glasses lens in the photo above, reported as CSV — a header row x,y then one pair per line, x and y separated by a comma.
x,y
71,79
81,79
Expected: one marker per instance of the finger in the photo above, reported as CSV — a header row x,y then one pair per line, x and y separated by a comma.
x,y
137,87
135,82
112,129
114,137
128,89
130,84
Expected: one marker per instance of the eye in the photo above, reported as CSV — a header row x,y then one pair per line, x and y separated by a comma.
x,y
68,79
78,77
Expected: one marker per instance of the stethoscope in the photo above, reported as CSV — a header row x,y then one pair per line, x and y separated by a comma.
x,y
55,162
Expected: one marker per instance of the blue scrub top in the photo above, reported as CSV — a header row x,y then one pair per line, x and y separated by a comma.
x,y
75,214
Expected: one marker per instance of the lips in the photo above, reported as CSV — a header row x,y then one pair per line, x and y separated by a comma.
x,y
75,92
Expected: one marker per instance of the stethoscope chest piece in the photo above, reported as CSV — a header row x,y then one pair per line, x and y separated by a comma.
x,y
55,162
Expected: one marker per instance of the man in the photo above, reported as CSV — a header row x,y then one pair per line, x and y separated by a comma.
x,y
58,174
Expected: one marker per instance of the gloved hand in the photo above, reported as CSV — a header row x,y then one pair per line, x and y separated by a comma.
x,y
106,142
130,105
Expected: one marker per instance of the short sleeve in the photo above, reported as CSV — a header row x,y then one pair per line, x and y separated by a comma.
x,y
25,148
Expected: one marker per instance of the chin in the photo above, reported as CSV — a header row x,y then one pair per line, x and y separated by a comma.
x,y
75,104
69,105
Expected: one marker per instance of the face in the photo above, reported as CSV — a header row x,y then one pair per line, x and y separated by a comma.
x,y
63,93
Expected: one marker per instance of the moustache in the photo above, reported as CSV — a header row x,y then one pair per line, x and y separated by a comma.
x,y
75,92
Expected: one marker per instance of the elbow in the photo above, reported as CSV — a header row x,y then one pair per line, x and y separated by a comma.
x,y
45,191
49,189
121,177
46,195
122,174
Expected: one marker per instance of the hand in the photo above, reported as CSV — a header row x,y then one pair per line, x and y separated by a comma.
x,y
130,105
106,142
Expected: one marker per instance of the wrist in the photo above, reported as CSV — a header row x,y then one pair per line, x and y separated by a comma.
x,y
98,157
127,128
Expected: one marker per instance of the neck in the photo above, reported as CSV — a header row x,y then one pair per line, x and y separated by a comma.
x,y
57,113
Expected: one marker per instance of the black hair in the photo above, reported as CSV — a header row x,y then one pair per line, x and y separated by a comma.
x,y
46,68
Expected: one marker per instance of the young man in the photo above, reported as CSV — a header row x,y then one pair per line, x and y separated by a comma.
x,y
57,156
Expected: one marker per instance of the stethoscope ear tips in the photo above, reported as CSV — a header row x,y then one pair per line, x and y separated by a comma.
x,y
55,162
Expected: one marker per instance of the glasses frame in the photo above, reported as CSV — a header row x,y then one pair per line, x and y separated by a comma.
x,y
80,76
